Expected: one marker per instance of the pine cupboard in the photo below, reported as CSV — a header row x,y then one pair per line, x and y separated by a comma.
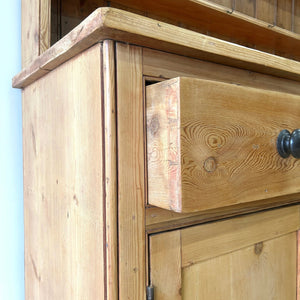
x,y
102,163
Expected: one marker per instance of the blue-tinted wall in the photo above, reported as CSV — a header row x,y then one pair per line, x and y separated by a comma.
x,y
11,185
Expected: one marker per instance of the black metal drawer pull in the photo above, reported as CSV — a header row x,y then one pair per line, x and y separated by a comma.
x,y
289,143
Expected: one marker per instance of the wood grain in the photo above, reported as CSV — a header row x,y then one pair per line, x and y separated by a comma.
x,y
207,149
284,14
108,23
63,182
265,270
266,11
45,25
165,66
158,219
131,172
30,31
226,3
224,12
165,265
246,7
297,16
214,239
111,190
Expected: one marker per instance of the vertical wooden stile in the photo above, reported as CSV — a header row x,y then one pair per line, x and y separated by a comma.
x,y
36,29
111,196
45,25
165,265
30,31
131,185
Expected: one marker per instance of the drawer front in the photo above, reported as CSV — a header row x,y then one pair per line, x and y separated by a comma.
x,y
211,144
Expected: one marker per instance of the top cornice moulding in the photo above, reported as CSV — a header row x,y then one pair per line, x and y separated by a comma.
x,y
111,23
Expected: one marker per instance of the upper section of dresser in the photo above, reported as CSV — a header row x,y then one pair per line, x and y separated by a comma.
x,y
112,23
270,26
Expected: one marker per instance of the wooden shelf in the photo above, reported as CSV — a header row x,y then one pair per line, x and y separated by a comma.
x,y
111,23
223,22
248,23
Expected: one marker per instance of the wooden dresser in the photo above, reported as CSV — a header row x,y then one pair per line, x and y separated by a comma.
x,y
151,156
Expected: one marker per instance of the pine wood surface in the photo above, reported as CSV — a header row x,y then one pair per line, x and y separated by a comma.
x,y
159,220
212,145
63,182
297,16
210,240
30,31
246,7
45,25
131,173
266,11
109,23
165,265
284,14
252,256
111,189
233,21
165,66
265,270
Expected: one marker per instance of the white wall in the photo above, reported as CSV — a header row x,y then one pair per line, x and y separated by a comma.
x,y
11,185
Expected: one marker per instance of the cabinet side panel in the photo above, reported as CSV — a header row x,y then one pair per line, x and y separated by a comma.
x,y
63,182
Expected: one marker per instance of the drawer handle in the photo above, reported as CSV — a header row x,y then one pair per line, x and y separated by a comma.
x,y
289,143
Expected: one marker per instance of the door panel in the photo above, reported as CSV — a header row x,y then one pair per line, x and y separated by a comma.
x,y
248,257
265,270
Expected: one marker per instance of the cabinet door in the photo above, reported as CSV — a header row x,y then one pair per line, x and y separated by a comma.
x,y
248,257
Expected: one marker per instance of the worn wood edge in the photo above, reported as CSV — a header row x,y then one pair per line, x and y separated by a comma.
x,y
111,193
170,192
158,220
79,39
237,231
110,23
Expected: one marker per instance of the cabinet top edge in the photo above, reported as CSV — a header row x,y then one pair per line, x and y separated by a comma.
x,y
115,24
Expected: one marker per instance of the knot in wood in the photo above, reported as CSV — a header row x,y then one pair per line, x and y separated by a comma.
x,y
210,164
154,125
215,141
258,248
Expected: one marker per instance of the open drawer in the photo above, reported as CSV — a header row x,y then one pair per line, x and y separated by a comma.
x,y
211,145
